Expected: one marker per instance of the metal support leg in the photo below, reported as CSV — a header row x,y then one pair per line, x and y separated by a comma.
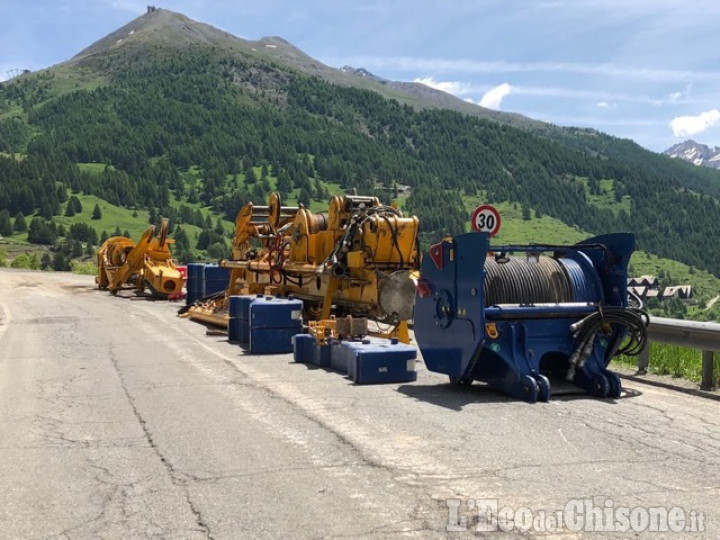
x,y
708,380
644,360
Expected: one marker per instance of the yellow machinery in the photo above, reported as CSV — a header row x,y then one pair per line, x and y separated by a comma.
x,y
122,262
354,260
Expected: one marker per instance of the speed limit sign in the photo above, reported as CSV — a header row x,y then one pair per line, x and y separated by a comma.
x,y
486,218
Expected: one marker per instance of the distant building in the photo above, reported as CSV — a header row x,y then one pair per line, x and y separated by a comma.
x,y
683,292
398,190
640,292
653,293
651,282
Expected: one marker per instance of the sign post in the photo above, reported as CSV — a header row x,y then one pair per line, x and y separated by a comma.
x,y
486,218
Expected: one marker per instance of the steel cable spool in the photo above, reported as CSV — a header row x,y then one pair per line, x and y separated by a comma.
x,y
519,281
557,283
580,285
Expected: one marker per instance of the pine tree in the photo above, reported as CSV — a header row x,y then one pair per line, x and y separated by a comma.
x,y
20,223
46,211
60,262
250,177
6,228
304,197
77,205
97,213
219,227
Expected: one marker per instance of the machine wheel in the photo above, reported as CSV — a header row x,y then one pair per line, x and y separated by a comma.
x,y
600,386
457,381
543,388
530,389
615,385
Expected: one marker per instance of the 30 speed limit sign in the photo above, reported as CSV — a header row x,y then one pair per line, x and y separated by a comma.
x,y
486,218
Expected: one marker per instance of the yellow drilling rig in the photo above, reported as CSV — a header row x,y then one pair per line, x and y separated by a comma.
x,y
148,264
355,259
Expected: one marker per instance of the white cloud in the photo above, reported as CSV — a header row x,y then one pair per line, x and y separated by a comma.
x,y
684,126
409,63
493,98
676,97
603,105
451,87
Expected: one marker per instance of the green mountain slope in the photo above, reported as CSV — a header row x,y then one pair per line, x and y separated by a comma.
x,y
189,122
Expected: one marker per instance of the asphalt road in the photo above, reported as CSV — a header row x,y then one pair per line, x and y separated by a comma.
x,y
120,420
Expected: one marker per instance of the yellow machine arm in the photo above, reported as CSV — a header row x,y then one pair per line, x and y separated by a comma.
x,y
121,262
110,256
134,260
159,272
356,258
256,227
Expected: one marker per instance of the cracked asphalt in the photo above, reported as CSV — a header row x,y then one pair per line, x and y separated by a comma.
x,y
120,420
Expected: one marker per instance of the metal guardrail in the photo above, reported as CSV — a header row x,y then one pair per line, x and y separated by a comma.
x,y
691,334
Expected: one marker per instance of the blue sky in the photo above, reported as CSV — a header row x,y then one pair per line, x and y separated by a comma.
x,y
648,70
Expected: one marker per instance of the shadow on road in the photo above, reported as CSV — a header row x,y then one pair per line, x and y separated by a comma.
x,y
669,386
454,397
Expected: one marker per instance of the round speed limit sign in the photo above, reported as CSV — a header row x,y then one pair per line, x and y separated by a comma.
x,y
486,218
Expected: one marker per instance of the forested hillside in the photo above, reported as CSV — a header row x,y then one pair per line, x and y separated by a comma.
x,y
180,128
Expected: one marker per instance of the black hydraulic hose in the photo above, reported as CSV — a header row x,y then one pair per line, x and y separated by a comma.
x,y
635,320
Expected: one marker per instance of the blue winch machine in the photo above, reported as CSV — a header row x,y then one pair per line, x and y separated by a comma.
x,y
518,322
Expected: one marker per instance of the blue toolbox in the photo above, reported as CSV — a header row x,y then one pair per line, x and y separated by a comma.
x,y
372,361
273,323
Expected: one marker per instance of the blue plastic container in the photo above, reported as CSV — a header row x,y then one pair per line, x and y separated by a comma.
x,y
275,312
380,361
307,350
215,279
273,340
338,356
302,347
273,323
241,312
234,320
195,277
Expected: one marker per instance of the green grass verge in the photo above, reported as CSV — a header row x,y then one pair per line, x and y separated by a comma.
x,y
679,362
88,268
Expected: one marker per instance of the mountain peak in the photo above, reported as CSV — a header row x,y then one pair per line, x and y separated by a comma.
x,y
158,26
696,153
168,29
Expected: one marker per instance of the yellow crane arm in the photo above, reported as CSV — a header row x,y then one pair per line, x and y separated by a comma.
x,y
134,261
